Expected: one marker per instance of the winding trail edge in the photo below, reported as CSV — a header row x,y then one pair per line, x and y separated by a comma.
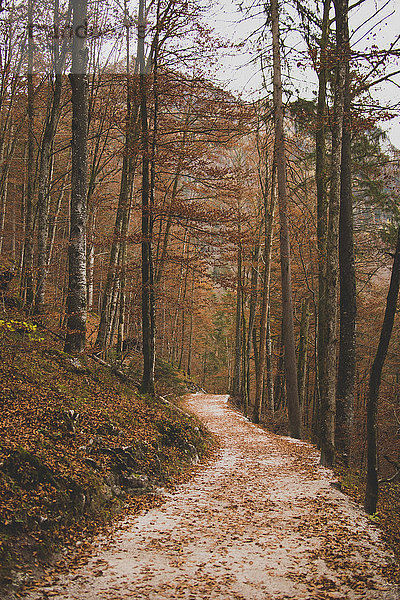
x,y
262,522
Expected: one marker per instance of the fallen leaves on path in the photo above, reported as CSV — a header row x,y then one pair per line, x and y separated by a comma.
x,y
262,522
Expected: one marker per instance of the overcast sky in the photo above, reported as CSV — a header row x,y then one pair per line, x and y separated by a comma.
x,y
245,77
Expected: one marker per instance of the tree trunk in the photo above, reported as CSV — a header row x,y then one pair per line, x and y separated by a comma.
x,y
328,359
76,299
179,302
243,384
253,307
51,235
123,250
321,179
114,313
287,302
268,373
348,306
5,160
302,354
238,329
182,340
122,217
184,294
161,257
190,342
28,244
3,209
45,166
90,276
147,385
371,493
269,210
279,383
43,200
161,260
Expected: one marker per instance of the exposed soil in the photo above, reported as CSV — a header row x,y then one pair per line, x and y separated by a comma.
x,y
264,521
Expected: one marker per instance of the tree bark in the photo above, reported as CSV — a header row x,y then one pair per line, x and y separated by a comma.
x,y
302,354
3,210
321,179
123,251
243,382
30,186
76,299
43,200
372,489
161,257
348,305
269,209
328,359
121,219
287,301
190,342
147,385
252,309
238,328
53,222
269,378
45,168
179,302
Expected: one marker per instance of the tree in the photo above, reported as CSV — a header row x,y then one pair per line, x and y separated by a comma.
x,y
118,246
287,301
238,321
321,178
348,307
148,309
269,211
28,246
328,359
55,82
76,298
372,488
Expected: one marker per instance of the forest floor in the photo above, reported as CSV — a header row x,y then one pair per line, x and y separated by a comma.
x,y
79,446
263,521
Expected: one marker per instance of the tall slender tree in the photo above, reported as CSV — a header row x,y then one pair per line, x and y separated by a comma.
x,y
348,305
55,80
148,325
328,359
118,246
30,186
76,298
269,210
321,178
238,322
372,488
287,300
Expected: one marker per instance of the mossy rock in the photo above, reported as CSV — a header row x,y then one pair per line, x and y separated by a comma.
x,y
27,470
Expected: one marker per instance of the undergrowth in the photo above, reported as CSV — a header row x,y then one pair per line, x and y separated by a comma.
x,y
387,516
77,444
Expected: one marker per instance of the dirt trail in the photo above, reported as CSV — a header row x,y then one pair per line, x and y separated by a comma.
x,y
262,522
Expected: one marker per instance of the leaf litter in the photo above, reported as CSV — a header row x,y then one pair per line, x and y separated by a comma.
x,y
261,522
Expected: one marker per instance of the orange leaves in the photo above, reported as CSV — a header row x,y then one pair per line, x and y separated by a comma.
x,y
57,480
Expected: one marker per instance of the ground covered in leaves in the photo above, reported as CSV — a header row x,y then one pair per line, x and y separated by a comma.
x,y
352,478
262,522
77,444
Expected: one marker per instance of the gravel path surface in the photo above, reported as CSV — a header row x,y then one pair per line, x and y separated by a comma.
x,y
261,522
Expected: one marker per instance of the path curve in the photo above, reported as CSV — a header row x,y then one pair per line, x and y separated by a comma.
x,y
262,522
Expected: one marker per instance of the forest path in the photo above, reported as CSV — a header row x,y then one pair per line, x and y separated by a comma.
x,y
261,522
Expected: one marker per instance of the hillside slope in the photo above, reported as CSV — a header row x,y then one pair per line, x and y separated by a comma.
x,y
77,444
